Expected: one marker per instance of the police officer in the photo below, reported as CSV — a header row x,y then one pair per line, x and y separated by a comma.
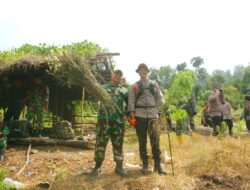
x,y
227,115
145,100
110,124
214,102
205,116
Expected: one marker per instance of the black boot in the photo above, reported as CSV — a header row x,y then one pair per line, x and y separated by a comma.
x,y
158,168
96,171
145,167
230,132
119,169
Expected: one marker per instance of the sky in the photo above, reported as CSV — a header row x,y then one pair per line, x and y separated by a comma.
x,y
155,32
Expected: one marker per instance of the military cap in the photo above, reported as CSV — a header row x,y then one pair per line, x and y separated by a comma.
x,y
142,65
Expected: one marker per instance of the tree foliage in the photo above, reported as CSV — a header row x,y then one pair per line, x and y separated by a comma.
x,y
164,76
233,96
181,67
84,48
196,61
246,80
180,91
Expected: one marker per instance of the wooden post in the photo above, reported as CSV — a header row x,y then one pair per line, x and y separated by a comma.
x,y
83,97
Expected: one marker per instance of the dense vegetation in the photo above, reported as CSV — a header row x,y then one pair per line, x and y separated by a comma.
x,y
235,84
84,48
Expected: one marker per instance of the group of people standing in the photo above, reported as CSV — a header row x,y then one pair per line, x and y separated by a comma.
x,y
143,101
217,110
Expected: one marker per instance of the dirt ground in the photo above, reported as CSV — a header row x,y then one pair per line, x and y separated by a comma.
x,y
57,167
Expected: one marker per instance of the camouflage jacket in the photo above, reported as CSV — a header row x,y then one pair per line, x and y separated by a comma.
x,y
119,95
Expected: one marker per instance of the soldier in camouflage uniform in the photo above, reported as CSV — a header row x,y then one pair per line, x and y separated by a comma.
x,y
4,132
191,111
111,125
246,112
37,104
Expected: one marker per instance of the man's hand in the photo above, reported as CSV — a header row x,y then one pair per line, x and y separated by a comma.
x,y
125,118
132,114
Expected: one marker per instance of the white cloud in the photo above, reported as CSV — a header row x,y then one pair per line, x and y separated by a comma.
x,y
160,32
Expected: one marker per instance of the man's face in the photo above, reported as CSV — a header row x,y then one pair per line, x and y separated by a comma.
x,y
216,91
116,78
143,72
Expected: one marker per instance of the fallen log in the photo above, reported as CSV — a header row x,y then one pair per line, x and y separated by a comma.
x,y
45,141
209,131
203,130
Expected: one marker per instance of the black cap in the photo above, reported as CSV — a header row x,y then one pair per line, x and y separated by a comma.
x,y
118,72
141,66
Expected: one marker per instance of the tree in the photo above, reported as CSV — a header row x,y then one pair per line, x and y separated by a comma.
x,y
218,79
181,67
196,62
154,75
233,96
246,80
164,76
202,78
238,75
179,93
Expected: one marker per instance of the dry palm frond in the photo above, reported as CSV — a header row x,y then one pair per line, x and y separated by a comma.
x,y
75,70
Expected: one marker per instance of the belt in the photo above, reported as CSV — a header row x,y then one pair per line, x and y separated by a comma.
x,y
145,107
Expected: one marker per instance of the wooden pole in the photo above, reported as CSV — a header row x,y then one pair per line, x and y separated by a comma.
x,y
27,161
83,97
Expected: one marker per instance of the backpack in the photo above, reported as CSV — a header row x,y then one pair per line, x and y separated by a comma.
x,y
139,89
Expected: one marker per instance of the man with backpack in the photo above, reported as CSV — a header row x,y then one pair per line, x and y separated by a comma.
x,y
145,100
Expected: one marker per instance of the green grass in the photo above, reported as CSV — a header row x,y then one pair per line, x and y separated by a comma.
x,y
62,173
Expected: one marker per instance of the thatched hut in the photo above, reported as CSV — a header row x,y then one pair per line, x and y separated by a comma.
x,y
66,76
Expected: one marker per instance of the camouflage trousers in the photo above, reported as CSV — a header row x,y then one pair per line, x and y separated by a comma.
x,y
35,114
114,131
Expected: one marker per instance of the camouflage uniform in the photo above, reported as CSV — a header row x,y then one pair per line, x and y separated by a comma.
x,y
35,110
4,132
111,124
246,112
191,111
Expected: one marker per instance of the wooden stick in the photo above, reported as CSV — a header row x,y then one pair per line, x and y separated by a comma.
x,y
27,161
83,97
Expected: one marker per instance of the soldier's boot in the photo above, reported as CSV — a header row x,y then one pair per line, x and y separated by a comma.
x,y
145,167
1,155
159,169
120,170
96,171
